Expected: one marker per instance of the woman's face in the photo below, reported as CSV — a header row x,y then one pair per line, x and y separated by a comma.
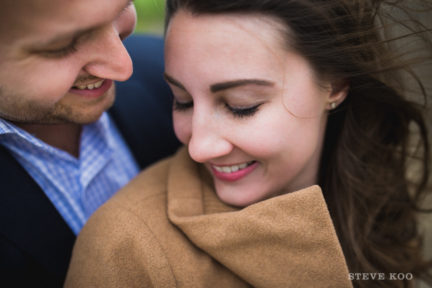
x,y
247,109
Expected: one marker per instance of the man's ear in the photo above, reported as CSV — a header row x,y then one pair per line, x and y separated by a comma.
x,y
338,93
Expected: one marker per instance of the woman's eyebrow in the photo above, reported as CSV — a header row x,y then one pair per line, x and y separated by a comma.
x,y
172,81
223,85
241,82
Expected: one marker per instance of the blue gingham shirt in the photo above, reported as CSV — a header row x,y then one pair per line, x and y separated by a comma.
x,y
76,186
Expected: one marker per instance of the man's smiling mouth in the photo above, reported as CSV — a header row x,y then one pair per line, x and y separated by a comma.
x,y
89,86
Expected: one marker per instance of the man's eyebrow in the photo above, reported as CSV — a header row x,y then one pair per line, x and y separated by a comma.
x,y
77,34
174,82
236,83
63,38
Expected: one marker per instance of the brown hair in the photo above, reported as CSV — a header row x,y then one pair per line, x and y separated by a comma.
x,y
367,147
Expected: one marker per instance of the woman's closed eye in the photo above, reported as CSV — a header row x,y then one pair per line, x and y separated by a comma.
x,y
243,111
182,106
235,111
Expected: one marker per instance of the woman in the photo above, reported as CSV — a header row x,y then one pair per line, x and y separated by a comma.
x,y
271,98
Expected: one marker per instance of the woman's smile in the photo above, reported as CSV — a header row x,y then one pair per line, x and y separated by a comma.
x,y
233,173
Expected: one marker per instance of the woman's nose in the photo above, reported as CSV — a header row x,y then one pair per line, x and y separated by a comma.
x,y
208,139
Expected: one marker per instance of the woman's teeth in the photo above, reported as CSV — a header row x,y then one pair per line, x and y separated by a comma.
x,y
90,86
233,168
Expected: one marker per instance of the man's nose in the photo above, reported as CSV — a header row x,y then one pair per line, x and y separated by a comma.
x,y
109,58
208,140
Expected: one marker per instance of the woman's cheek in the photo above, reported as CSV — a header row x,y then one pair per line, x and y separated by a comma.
x,y
182,127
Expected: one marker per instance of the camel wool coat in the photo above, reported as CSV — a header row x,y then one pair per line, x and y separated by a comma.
x,y
167,228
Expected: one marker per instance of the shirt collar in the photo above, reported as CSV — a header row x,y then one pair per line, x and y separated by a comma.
x,y
17,136
9,131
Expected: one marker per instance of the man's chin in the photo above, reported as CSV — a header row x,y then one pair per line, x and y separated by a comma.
x,y
85,115
82,118
73,117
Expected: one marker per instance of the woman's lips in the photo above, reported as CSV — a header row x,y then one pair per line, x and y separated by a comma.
x,y
233,173
93,90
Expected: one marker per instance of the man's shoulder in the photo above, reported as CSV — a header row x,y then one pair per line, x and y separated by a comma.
x,y
33,236
133,222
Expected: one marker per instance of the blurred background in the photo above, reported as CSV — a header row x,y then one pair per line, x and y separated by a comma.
x,y
150,16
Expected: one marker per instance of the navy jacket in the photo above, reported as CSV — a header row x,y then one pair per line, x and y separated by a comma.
x,y
35,241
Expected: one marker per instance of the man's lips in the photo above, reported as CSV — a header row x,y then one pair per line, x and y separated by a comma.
x,y
89,86
92,90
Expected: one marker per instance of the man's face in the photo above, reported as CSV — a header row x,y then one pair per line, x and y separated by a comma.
x,y
58,58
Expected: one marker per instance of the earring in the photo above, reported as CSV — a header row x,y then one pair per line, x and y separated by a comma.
x,y
333,105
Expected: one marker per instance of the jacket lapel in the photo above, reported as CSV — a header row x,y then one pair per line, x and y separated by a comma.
x,y
30,221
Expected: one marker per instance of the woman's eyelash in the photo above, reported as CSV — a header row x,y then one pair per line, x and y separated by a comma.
x,y
237,112
181,106
243,112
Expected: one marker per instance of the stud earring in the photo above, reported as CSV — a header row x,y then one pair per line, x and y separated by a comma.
x,y
333,105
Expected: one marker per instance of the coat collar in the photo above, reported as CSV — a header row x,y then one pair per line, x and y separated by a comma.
x,y
274,243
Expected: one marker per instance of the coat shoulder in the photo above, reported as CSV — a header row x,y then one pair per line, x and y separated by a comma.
x,y
121,236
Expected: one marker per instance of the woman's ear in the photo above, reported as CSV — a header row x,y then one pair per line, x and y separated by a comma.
x,y
338,93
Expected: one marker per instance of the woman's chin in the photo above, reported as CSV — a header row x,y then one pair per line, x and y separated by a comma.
x,y
238,196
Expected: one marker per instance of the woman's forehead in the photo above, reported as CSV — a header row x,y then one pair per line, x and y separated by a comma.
x,y
223,45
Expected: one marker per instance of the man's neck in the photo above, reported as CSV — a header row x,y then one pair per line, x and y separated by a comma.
x,y
62,136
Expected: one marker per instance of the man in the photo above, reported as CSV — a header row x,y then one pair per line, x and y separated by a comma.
x,y
61,154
